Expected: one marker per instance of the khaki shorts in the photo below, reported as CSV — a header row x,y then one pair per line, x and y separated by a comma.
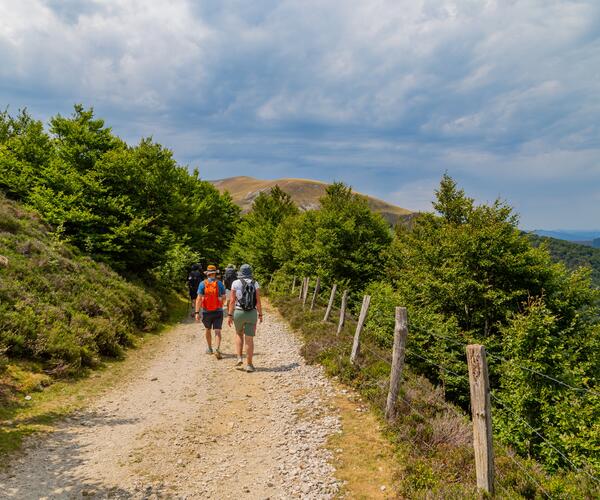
x,y
246,321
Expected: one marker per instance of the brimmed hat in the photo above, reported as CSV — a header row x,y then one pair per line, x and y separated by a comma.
x,y
245,271
211,269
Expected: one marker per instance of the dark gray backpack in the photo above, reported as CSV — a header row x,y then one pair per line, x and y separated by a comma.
x,y
248,299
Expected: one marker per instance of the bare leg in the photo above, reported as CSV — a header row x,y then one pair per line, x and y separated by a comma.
x,y
218,338
208,338
249,349
239,343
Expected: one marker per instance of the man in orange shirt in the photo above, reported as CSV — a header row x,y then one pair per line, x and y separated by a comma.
x,y
211,297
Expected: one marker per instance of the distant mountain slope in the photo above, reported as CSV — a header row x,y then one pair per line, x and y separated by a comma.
x,y
582,237
572,254
304,192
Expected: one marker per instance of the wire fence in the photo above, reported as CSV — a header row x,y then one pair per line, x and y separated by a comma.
x,y
323,298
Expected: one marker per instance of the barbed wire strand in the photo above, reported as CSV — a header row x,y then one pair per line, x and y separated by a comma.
x,y
546,440
436,335
527,473
580,389
435,364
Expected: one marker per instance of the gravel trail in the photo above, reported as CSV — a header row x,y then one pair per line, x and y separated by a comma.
x,y
189,426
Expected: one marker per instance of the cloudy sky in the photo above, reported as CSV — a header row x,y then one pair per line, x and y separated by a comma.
x,y
383,94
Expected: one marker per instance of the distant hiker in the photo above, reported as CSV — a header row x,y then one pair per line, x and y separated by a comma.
x,y
228,278
211,296
193,282
244,310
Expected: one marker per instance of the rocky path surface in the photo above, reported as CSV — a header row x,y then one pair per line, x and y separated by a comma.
x,y
189,426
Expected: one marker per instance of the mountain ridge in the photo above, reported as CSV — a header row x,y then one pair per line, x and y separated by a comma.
x,y
305,193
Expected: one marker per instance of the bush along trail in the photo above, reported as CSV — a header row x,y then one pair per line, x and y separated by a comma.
x,y
185,425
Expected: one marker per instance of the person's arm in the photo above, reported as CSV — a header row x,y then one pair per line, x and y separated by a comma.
x,y
259,306
198,307
222,293
232,299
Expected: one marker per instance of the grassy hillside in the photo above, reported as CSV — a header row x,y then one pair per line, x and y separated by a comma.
x,y
572,254
305,193
59,310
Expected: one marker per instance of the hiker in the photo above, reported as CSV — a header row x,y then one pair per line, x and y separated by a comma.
x,y
193,282
228,278
211,296
244,311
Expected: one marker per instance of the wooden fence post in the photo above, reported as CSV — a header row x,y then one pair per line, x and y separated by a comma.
x,y
343,312
315,293
302,285
305,296
330,304
482,417
293,285
361,321
400,334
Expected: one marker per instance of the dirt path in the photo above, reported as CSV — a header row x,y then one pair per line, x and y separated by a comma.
x,y
189,426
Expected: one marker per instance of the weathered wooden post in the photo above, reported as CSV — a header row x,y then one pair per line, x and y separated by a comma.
x,y
293,284
269,285
482,417
343,312
361,321
330,304
305,296
400,334
315,293
302,288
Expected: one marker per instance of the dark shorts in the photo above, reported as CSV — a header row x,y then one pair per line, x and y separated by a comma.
x,y
212,319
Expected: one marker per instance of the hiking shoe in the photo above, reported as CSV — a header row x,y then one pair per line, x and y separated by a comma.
x,y
218,354
240,362
209,350
250,368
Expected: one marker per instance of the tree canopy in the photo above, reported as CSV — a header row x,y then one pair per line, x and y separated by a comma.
x,y
132,207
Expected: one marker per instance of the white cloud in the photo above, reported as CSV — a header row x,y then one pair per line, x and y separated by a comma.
x,y
498,89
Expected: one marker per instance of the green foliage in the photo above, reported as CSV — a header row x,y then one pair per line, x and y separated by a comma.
x,y
58,306
253,241
572,254
467,275
343,241
131,207
539,344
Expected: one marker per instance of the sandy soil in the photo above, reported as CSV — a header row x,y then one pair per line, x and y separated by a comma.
x,y
186,425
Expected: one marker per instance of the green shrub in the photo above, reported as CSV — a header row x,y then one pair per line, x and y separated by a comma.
x,y
62,308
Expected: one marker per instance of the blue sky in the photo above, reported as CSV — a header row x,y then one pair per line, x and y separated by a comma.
x,y
383,94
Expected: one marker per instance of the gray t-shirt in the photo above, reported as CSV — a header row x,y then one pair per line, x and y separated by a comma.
x,y
237,286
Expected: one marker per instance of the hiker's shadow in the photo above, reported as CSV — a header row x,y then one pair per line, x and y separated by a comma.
x,y
283,368
228,356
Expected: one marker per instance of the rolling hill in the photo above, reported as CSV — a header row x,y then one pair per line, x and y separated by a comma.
x,y
304,192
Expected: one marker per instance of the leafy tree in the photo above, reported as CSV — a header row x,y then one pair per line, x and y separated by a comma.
x,y
24,149
131,207
343,240
467,274
255,234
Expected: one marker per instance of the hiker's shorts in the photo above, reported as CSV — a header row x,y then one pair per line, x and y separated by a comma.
x,y
212,319
246,321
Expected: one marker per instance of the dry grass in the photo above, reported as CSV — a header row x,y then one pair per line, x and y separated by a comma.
x,y
363,457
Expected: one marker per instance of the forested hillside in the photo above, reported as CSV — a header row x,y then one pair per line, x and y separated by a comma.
x,y
573,255
466,275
